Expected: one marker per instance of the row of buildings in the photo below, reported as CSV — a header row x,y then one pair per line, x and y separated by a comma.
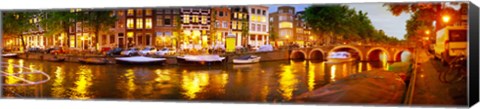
x,y
188,26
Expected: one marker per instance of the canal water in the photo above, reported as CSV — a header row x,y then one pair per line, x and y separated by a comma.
x,y
275,81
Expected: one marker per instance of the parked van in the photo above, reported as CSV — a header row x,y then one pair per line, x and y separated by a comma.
x,y
451,42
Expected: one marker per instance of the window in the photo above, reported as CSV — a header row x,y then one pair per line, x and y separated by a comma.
x,y
253,10
194,18
218,24
281,18
271,19
264,28
457,35
159,21
140,23
148,23
148,12
290,11
112,39
253,18
130,12
234,24
204,19
235,15
139,39
104,39
239,25
286,25
174,20
130,23
186,19
259,11
225,24
240,15
252,27
220,13
167,21
264,12
130,34
263,19
284,33
259,27
139,12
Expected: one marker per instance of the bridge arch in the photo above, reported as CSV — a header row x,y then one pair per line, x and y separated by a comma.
x,y
398,54
376,53
298,54
316,53
350,47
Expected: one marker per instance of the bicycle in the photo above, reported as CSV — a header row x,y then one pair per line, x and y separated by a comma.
x,y
457,70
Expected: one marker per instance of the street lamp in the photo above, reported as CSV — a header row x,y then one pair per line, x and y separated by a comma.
x,y
446,18
427,32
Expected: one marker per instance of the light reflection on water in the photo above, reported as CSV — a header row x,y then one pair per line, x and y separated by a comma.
x,y
274,81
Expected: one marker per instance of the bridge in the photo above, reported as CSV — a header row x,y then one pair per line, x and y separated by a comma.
x,y
361,52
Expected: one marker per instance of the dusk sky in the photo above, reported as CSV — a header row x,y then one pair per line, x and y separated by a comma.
x,y
381,18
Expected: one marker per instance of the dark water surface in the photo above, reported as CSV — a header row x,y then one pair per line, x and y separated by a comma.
x,y
275,81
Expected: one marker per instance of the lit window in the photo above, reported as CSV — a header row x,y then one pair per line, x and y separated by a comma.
x,y
130,34
286,25
186,19
263,19
234,25
174,20
148,12
130,12
195,19
239,25
253,17
235,15
204,19
139,23
148,23
240,15
159,21
130,23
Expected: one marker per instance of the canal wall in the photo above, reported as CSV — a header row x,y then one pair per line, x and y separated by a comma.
x,y
265,56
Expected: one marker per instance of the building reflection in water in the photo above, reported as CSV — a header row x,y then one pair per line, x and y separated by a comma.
x,y
82,84
193,83
58,88
287,82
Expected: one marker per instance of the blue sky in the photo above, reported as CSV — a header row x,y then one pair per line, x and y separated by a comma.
x,y
381,18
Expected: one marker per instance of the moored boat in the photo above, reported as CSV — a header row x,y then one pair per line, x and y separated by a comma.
x,y
55,59
248,59
93,60
200,59
9,55
139,60
340,57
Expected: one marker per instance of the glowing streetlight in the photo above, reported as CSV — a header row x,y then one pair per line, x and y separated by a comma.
x,y
427,32
446,18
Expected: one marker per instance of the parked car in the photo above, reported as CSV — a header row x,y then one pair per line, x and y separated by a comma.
x,y
265,48
115,51
130,52
165,51
56,50
35,50
147,51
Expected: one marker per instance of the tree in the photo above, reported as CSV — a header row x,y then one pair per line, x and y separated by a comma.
x,y
273,35
245,30
213,27
15,23
178,31
338,20
99,20
427,11
57,22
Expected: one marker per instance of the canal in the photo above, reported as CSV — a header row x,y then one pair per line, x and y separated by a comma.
x,y
274,81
